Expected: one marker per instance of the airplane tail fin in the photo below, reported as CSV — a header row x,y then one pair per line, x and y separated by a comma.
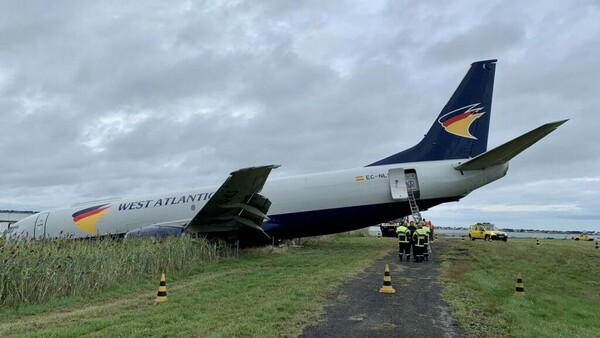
x,y
461,129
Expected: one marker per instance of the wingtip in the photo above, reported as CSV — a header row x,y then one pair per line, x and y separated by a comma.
x,y
557,124
269,166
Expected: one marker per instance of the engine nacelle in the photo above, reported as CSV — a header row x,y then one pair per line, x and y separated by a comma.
x,y
160,231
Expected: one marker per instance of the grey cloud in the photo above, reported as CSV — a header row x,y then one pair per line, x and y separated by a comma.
x,y
487,41
113,99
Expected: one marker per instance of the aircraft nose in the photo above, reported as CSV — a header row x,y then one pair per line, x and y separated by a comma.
x,y
22,229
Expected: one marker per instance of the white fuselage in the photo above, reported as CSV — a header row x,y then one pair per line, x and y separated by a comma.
x,y
301,205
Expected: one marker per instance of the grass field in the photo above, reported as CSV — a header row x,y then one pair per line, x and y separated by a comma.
x,y
263,293
268,292
561,279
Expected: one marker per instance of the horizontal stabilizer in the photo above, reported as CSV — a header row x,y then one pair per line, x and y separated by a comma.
x,y
510,149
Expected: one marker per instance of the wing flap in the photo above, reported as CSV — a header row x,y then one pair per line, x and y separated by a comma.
x,y
236,204
510,149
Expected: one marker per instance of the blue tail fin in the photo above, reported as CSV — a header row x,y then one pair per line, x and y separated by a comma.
x,y
461,129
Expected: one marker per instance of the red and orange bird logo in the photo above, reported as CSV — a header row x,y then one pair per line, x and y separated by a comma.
x,y
87,219
459,121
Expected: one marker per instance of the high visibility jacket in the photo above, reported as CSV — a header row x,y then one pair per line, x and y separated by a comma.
x,y
403,234
426,228
420,237
411,230
426,240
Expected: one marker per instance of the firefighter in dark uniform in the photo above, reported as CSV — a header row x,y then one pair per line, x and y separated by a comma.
x,y
419,237
403,241
412,228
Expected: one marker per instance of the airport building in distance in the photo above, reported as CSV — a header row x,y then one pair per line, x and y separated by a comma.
x,y
8,217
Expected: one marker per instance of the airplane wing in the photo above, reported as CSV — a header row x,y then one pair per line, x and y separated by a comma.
x,y
510,149
236,204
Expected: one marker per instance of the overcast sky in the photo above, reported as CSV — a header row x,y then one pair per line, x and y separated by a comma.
x,y
117,98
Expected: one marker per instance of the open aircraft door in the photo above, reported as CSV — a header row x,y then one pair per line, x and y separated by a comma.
x,y
398,184
401,181
412,183
39,231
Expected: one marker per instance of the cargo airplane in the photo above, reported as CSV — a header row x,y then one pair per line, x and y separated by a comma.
x,y
450,162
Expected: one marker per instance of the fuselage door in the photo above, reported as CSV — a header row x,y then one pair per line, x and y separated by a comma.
x,y
412,183
39,230
397,183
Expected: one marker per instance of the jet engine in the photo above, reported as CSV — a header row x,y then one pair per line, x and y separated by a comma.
x,y
160,231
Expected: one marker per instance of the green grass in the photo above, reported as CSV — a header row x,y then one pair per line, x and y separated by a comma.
x,y
561,280
270,292
263,293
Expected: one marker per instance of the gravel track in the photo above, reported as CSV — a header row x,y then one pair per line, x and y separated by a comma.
x,y
358,309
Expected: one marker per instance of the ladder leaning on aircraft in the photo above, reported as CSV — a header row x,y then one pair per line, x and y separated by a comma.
x,y
414,208
449,163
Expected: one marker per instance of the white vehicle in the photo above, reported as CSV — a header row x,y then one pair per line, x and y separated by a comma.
x,y
449,163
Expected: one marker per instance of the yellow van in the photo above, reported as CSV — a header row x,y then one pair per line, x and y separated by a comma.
x,y
486,231
581,237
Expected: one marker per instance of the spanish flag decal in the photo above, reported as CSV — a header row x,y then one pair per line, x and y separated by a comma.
x,y
87,219
359,178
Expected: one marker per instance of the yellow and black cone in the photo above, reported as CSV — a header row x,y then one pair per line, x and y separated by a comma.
x,y
387,282
462,238
162,290
537,242
519,290
596,245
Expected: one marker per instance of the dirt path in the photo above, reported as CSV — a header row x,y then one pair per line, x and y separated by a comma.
x,y
358,309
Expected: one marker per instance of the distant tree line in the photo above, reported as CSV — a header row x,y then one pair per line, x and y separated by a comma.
x,y
527,230
19,211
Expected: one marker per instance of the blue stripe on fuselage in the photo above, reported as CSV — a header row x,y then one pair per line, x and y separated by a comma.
x,y
321,222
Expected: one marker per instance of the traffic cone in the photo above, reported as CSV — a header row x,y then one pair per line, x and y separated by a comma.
x,y
596,245
387,282
519,290
462,238
162,289
537,242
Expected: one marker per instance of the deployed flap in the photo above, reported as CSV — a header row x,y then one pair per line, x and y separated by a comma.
x,y
236,203
510,149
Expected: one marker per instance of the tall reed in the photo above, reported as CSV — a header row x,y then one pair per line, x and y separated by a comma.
x,y
33,272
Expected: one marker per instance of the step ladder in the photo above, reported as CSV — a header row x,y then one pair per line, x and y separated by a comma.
x,y
414,208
